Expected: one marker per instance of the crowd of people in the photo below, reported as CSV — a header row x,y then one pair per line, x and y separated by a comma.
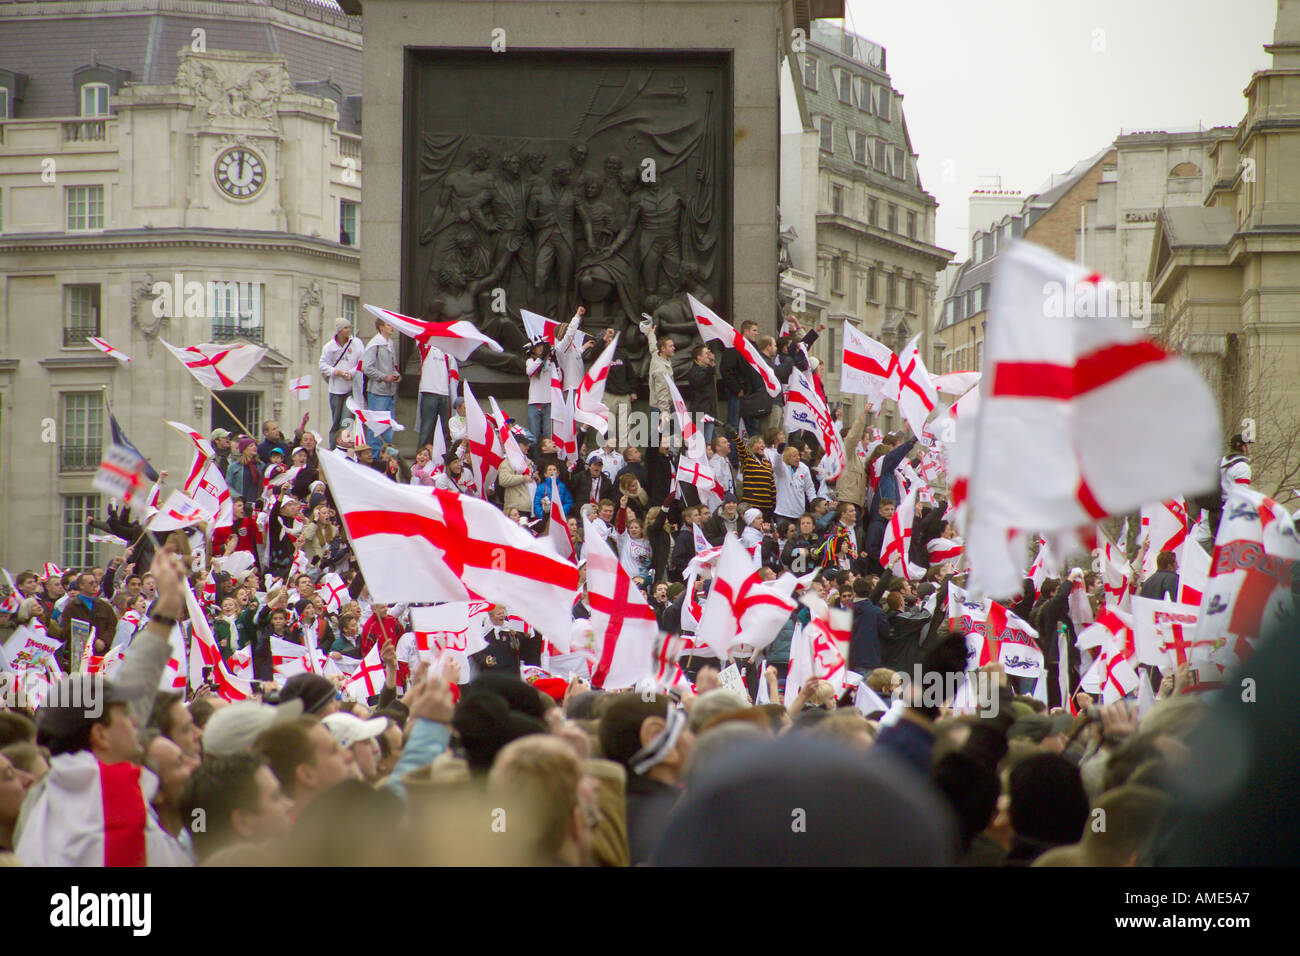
x,y
503,756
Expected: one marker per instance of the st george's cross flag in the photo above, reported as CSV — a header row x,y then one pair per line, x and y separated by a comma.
x,y
301,387
201,444
334,590
692,437
414,546
218,366
714,329
557,530
896,546
179,511
121,476
696,471
624,623
955,383
376,420
204,648
206,485
805,410
484,439
1193,573
1059,391
741,607
589,406
867,365
1113,673
459,339
909,385
1165,527
539,327
369,679
1249,592
103,346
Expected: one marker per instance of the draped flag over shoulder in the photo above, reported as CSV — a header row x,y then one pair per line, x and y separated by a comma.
x,y
713,329
456,338
909,385
589,406
867,365
416,547
1059,391
1248,593
218,366
625,624
741,607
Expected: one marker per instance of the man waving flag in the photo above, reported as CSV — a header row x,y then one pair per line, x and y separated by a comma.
x,y
456,338
713,329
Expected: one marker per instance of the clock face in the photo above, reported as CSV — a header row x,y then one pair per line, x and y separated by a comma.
x,y
240,173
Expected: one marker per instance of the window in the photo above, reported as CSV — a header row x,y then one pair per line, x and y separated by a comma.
x,y
873,212
979,353
85,208
891,289
909,295
4,102
349,309
864,95
977,299
950,311
882,152
977,248
893,218
900,164
77,550
94,99
871,284
827,130
348,223
80,313
247,405
83,431
861,148
844,86
810,73
832,353
837,200
236,311
911,225
837,275
883,96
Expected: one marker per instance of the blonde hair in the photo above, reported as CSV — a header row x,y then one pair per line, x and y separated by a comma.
x,y
536,779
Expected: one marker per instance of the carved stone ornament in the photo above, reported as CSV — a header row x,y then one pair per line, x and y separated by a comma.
x,y
243,87
150,326
311,313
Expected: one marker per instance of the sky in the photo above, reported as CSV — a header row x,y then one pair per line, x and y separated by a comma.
x,y
1025,88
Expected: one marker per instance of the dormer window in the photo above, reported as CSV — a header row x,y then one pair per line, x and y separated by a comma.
x,y
93,86
94,100
4,102
12,87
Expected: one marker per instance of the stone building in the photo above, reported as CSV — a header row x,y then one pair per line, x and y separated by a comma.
x,y
178,169
859,223
1227,270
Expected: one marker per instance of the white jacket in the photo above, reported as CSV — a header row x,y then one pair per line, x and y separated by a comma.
x,y
793,489
62,819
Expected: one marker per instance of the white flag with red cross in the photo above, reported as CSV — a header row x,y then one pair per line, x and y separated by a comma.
x,y
1058,391
1248,593
804,409
376,420
485,450
625,625
301,387
103,346
1164,634
741,607
416,547
897,543
1193,573
121,476
867,365
692,437
334,591
557,530
714,329
455,338
455,629
179,511
564,427
1116,572
1112,673
589,406
13,598
539,327
1165,527
201,444
218,366
695,471
820,648
909,385
206,485
205,652
955,383
369,679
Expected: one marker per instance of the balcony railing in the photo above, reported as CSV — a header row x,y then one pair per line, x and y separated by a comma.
x,y
350,146
77,334
85,131
227,331
80,457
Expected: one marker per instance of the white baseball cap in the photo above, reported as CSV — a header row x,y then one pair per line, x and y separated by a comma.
x,y
348,729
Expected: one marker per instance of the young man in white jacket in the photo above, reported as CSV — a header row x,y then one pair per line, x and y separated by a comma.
x,y
795,487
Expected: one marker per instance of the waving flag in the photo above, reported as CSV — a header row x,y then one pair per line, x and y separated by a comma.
x,y
1193,573
301,387
455,338
955,383
867,365
207,486
713,329
1058,392
692,437
417,547
741,607
376,420
589,406
369,679
898,540
1165,635
558,528
1112,673
218,366
121,476
624,622
804,409
1165,526
103,346
1249,589
334,590
696,471
119,438
12,598
229,687
943,549
820,648
539,327
485,450
201,444
909,385
179,511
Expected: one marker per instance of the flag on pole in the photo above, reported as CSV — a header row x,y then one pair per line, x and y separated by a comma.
x,y
741,607
624,623
714,329
485,450
301,387
201,444
909,385
1057,391
539,327
218,366
805,410
121,476
417,547
376,420
1165,527
103,346
558,528
119,438
459,339
897,543
589,406
692,437
867,365
206,485
179,511
229,687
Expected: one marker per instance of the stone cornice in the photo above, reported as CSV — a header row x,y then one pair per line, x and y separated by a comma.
x,y
89,360
289,14
211,239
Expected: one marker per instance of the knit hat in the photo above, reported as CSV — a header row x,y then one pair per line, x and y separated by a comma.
x,y
315,691
246,442
340,324
752,515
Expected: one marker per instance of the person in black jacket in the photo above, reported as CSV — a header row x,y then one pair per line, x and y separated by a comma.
x,y
699,388
1163,585
870,630
592,485
735,373
1054,613
875,537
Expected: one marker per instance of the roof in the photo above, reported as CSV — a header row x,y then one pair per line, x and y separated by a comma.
x,y
145,42
1058,185
1197,225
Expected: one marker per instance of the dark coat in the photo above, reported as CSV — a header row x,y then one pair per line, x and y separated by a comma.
x,y
501,654
101,618
870,632
699,390
1162,586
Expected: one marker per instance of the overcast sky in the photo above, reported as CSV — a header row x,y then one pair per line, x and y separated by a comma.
x,y
1014,87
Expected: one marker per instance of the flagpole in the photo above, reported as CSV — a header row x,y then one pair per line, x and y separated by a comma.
x,y
247,431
